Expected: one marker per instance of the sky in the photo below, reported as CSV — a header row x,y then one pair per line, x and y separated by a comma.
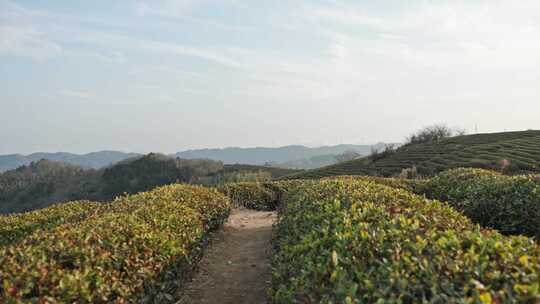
x,y
170,75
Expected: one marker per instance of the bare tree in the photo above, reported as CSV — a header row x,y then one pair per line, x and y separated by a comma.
x,y
388,150
433,133
347,155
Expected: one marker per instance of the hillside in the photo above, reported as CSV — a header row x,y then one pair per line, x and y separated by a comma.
x,y
45,182
94,160
293,155
521,149
311,163
42,183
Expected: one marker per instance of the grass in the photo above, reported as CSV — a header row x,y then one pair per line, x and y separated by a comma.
x,y
486,151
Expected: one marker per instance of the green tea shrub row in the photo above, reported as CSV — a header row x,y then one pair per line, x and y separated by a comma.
x,y
139,251
259,196
413,185
251,195
208,202
347,241
510,204
15,227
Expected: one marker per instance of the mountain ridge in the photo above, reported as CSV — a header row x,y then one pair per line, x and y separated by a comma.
x,y
277,155
297,156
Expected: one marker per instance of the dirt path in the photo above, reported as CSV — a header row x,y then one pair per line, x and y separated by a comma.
x,y
234,268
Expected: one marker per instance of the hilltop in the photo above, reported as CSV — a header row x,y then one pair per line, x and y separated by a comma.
x,y
520,148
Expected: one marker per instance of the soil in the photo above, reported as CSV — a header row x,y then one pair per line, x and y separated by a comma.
x,y
234,268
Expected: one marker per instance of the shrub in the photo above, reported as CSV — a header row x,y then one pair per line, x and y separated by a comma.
x,y
346,241
209,202
376,155
409,173
510,204
251,195
140,250
413,185
258,196
433,133
15,227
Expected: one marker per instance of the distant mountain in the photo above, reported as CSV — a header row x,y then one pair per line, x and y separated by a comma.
x,y
94,160
282,155
310,163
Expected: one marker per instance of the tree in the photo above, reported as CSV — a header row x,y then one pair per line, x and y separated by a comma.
x,y
347,155
433,133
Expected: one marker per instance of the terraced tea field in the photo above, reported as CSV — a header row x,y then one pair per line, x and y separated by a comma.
x,y
521,149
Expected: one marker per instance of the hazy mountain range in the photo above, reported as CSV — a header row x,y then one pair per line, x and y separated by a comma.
x,y
281,155
295,156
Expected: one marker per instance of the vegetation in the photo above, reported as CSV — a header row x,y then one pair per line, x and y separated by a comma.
x,y
350,241
154,170
40,184
258,196
510,204
138,249
511,152
43,183
246,173
417,186
347,155
251,195
432,133
387,151
14,228
311,162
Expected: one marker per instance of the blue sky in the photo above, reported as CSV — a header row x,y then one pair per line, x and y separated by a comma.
x,y
170,75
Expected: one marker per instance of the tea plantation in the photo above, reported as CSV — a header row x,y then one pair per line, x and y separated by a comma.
x,y
464,236
521,149
139,248
353,241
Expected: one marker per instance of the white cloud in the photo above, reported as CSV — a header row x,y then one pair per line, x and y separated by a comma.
x,y
337,50
26,42
464,33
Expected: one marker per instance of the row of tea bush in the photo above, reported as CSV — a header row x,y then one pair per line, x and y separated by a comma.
x,y
356,241
264,196
510,204
139,248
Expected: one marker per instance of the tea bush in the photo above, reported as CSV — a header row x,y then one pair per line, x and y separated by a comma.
x,y
15,227
140,250
510,204
413,185
258,196
208,202
251,195
347,241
